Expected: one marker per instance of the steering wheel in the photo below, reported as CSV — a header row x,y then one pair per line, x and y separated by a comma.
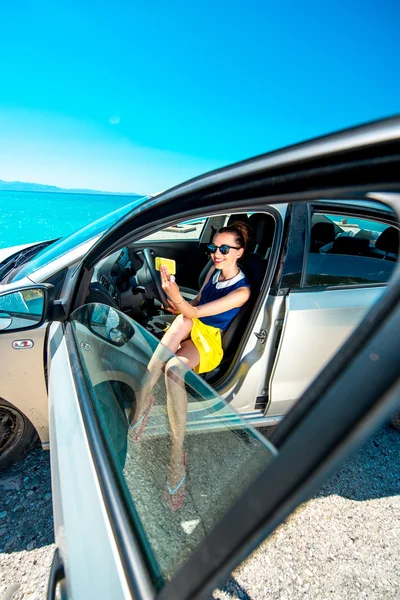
x,y
155,277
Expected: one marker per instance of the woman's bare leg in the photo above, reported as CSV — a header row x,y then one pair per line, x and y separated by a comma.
x,y
179,330
177,403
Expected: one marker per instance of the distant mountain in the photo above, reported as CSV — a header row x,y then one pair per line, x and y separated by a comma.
x,y
22,186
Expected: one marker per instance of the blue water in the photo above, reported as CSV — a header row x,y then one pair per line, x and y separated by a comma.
x,y
34,216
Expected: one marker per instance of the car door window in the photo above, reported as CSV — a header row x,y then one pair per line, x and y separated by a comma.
x,y
187,230
222,459
348,251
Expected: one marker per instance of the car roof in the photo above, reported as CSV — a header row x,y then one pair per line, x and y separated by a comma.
x,y
362,202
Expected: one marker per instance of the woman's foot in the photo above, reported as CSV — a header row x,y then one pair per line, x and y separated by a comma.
x,y
176,484
138,426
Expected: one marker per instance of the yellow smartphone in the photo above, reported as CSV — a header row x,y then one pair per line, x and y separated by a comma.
x,y
168,262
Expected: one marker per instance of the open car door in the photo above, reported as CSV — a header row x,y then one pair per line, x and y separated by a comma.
x,y
116,536
115,532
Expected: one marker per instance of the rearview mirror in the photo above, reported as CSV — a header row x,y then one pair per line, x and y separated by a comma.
x,y
109,324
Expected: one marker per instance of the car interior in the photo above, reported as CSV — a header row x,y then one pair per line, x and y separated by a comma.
x,y
128,280
371,248
329,238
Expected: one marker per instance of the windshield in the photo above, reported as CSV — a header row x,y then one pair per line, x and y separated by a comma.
x,y
64,245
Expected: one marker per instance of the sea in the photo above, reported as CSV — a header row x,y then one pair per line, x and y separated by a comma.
x,y
35,216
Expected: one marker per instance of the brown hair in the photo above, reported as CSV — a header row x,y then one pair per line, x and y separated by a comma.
x,y
239,229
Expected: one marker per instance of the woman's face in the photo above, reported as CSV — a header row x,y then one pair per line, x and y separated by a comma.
x,y
222,261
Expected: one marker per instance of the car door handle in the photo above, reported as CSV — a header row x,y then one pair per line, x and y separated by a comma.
x,y
57,575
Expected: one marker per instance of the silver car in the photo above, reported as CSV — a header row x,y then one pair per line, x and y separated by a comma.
x,y
81,319
315,268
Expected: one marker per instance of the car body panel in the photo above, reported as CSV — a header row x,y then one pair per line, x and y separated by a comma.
x,y
251,378
7,252
316,325
23,376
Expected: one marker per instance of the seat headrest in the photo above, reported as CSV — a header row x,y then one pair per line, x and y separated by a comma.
x,y
323,233
239,217
262,232
389,241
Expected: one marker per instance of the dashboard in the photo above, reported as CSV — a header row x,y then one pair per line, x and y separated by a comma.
x,y
122,280
111,277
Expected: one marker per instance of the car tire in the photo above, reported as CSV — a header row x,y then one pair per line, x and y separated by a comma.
x,y
396,421
17,434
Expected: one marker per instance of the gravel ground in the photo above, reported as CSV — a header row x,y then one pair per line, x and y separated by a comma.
x,y
26,528
343,543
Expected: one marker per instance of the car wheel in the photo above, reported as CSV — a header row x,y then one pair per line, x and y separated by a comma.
x,y
17,434
396,420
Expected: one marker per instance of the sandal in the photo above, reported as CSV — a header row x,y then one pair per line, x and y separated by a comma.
x,y
176,497
140,425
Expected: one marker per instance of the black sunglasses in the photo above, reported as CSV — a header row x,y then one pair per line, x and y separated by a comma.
x,y
224,249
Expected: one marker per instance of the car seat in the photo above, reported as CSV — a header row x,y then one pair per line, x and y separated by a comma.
x,y
388,241
322,233
351,246
158,323
190,293
254,265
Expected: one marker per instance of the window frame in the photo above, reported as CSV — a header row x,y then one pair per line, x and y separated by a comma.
x,y
177,240
341,208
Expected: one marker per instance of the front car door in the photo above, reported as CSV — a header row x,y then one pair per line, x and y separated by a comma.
x,y
23,408
114,533
99,472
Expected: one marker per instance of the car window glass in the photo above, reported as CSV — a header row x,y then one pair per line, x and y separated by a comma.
x,y
187,230
222,456
346,250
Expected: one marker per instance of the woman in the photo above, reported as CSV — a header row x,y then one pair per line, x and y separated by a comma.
x,y
195,338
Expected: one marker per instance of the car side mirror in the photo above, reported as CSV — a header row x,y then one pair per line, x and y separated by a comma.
x,y
109,324
25,308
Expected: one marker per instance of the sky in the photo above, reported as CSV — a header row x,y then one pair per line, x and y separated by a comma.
x,y
130,96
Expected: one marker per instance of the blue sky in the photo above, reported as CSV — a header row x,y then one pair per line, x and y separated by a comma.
x,y
134,96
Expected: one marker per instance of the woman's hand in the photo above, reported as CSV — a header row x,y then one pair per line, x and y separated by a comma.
x,y
169,287
172,308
